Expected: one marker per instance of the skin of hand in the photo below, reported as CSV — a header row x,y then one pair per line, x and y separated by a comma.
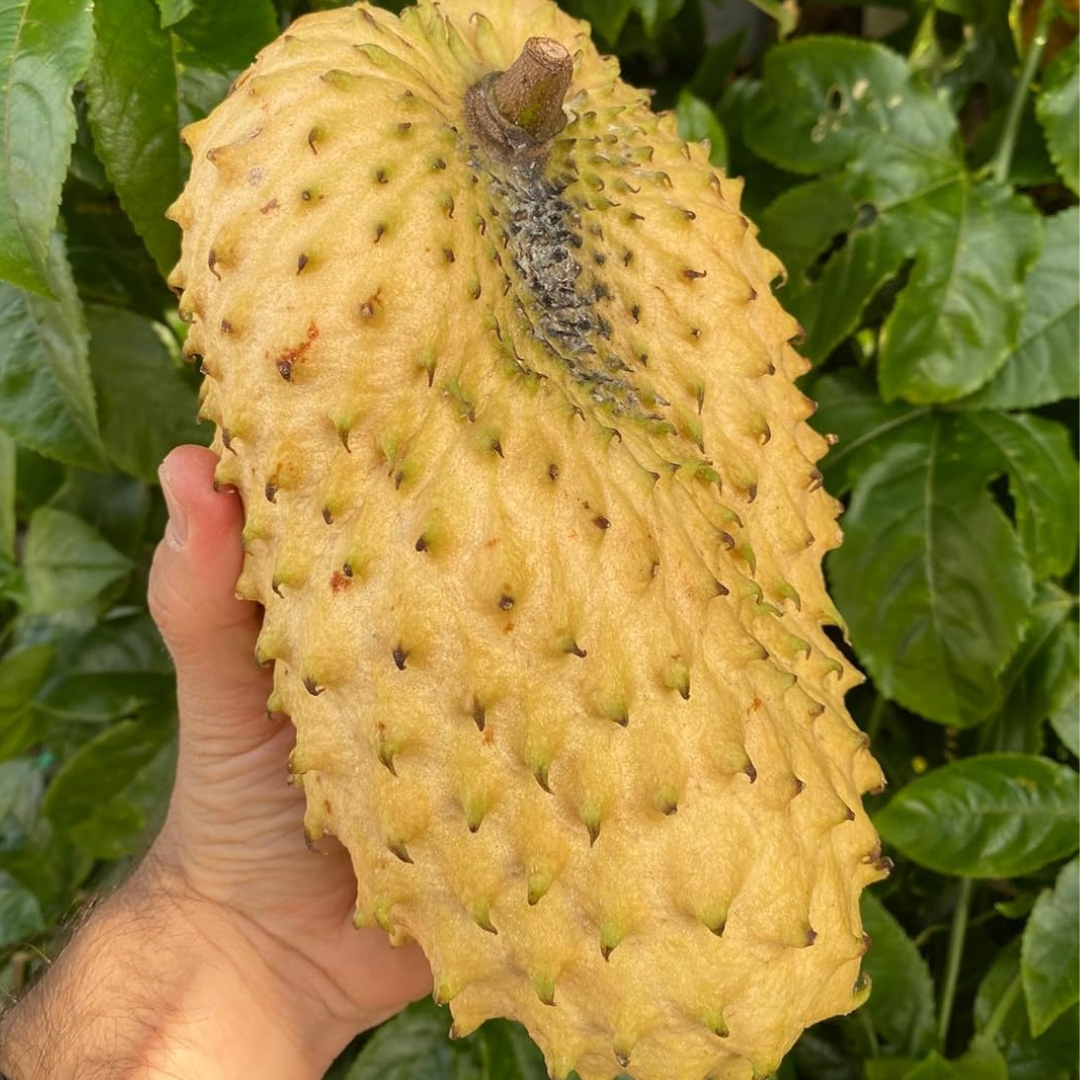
x,y
230,877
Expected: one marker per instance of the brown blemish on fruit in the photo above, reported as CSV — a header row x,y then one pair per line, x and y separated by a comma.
x,y
339,581
287,360
371,307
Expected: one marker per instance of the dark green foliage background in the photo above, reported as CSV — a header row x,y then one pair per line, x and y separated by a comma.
x,y
921,190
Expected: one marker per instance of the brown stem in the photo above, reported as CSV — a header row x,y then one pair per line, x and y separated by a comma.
x,y
530,92
518,111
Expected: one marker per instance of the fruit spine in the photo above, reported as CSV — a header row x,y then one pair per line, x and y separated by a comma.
x,y
534,514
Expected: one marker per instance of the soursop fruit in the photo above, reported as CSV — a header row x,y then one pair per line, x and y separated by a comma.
x,y
533,511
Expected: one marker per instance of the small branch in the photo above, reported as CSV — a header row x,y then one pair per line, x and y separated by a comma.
x,y
877,714
871,1034
1001,1009
957,933
1002,160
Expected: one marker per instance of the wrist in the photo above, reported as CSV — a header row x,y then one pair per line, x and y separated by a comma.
x,y
160,984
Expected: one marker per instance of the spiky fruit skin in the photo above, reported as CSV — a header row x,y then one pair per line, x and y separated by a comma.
x,y
533,512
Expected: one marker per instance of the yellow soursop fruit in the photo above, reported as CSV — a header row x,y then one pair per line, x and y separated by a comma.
x,y
532,507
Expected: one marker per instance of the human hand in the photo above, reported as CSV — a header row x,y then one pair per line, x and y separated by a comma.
x,y
233,839
230,952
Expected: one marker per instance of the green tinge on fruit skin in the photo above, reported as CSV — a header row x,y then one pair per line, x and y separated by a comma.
x,y
536,521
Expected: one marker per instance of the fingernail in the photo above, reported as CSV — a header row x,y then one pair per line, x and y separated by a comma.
x,y
176,531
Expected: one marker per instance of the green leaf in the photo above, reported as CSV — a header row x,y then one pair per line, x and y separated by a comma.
x,y
1042,678
411,1045
105,696
1042,367
45,46
109,819
67,563
508,1053
902,1003
1053,1055
838,254
982,1061
831,102
124,641
850,408
172,11
131,92
607,17
836,105
989,816
1017,908
226,37
1044,482
934,1067
129,362
764,182
800,224
957,320
816,1057
108,258
116,505
7,497
888,1068
22,674
200,91
785,13
46,396
1058,110
1065,720
697,122
21,786
19,731
20,913
931,578
716,66
1050,954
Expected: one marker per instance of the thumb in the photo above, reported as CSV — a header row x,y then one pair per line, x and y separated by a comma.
x,y
209,632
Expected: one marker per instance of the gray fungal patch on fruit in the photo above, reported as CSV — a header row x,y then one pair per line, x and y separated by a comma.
x,y
542,238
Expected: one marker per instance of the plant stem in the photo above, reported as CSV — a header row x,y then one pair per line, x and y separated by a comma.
x,y
877,714
871,1034
1001,1010
1003,156
956,951
530,92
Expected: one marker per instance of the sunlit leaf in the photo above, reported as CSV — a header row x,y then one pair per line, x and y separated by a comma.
x,y
46,394
1042,367
67,563
45,46
131,91
930,578
110,820
1058,109
990,816
1044,481
1050,954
